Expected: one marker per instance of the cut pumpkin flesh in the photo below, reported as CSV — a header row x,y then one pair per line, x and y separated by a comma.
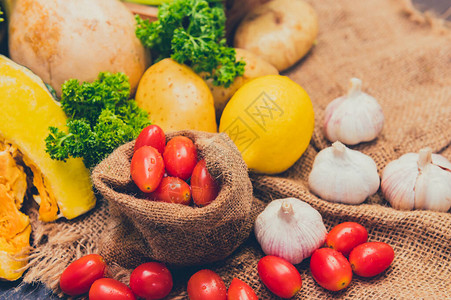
x,y
14,226
64,189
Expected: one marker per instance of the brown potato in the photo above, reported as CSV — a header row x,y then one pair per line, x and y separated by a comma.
x,y
60,40
176,98
280,31
255,67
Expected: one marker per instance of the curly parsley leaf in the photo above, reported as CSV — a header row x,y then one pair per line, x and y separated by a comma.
x,y
101,118
192,32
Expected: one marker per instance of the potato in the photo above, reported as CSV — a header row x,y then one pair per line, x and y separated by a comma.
x,y
176,98
59,40
255,67
280,31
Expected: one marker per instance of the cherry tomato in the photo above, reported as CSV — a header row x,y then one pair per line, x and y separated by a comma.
x,y
147,168
172,190
240,290
153,136
151,281
279,275
330,269
206,285
78,277
346,236
203,185
372,258
108,288
180,157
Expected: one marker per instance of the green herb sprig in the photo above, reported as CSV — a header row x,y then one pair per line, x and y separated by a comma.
x,y
101,117
192,32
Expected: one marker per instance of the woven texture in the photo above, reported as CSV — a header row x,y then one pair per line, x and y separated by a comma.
x,y
404,60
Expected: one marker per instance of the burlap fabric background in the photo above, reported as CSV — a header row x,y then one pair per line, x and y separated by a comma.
x,y
140,230
404,60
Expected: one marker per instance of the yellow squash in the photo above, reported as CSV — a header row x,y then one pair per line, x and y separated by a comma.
x,y
64,189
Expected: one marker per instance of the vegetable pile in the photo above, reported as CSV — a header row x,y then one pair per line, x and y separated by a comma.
x,y
101,118
162,170
150,280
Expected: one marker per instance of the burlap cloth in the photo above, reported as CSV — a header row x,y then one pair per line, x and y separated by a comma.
x,y
404,60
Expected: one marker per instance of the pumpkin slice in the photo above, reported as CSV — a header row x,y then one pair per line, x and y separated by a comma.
x,y
27,109
64,189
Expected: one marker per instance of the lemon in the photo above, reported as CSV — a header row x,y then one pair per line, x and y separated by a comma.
x,y
271,120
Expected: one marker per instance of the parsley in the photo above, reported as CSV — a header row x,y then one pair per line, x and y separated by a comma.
x,y
192,32
101,117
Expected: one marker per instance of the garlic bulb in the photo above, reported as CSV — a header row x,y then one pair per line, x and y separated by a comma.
x,y
418,181
290,228
354,118
340,174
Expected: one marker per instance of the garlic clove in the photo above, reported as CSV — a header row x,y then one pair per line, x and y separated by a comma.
x,y
340,174
418,181
290,228
354,118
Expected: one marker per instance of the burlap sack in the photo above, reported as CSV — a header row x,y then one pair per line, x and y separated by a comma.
x,y
404,60
141,230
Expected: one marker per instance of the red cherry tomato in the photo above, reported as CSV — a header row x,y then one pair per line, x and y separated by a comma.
x,y
372,258
280,276
78,277
172,190
108,288
153,136
180,157
151,281
147,168
346,236
206,285
203,185
240,290
330,269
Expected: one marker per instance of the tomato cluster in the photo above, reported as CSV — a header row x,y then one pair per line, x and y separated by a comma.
x,y
150,280
208,285
348,251
170,172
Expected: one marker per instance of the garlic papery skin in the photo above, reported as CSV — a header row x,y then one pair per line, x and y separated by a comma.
x,y
340,174
290,228
354,118
418,181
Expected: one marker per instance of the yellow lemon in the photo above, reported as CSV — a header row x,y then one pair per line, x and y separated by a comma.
x,y
271,120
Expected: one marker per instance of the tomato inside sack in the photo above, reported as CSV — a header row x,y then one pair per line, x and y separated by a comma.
x,y
78,277
180,157
151,135
172,190
204,188
147,168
